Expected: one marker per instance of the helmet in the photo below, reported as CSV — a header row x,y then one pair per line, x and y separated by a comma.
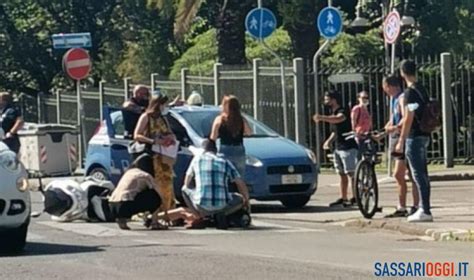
x,y
195,99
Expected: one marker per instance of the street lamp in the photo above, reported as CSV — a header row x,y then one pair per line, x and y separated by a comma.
x,y
360,21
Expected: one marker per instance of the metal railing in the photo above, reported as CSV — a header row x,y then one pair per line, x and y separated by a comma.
x,y
259,89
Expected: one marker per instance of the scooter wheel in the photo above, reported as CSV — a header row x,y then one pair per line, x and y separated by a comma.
x,y
245,221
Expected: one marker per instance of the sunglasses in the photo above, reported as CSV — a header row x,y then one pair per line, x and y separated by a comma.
x,y
364,97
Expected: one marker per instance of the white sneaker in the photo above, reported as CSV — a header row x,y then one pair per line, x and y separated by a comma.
x,y
419,216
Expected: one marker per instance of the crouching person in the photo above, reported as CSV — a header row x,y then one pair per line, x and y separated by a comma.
x,y
136,193
209,195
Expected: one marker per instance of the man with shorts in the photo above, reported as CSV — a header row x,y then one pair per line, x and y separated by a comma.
x,y
345,153
391,86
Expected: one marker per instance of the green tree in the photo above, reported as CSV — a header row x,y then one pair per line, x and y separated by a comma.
x,y
202,55
299,20
349,48
229,18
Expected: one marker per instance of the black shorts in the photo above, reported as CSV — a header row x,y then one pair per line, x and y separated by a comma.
x,y
392,144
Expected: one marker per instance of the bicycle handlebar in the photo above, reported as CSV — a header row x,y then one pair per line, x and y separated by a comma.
x,y
370,134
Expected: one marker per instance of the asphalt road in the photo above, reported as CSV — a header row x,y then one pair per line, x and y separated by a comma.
x,y
274,249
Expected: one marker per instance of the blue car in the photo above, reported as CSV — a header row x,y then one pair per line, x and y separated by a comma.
x,y
277,168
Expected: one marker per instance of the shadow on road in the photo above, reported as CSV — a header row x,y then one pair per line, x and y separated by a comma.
x,y
277,208
40,248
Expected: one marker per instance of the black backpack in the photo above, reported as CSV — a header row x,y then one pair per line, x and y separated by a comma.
x,y
431,115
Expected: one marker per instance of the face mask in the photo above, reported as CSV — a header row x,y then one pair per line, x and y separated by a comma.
x,y
142,102
164,111
365,102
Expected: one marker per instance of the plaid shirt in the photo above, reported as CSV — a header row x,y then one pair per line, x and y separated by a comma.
x,y
212,175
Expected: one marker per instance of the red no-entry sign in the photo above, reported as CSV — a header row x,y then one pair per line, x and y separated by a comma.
x,y
77,64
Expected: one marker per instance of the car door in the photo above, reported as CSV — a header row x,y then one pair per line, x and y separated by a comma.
x,y
184,154
120,158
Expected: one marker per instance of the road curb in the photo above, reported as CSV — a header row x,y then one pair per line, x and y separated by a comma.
x,y
451,177
433,178
437,234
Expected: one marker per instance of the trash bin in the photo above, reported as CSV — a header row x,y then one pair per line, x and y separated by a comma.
x,y
49,149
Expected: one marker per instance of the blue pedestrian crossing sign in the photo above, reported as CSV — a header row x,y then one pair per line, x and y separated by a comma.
x,y
260,23
329,22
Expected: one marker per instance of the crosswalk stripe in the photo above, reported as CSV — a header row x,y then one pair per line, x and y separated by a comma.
x,y
34,237
95,229
91,229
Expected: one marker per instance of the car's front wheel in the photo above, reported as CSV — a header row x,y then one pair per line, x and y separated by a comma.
x,y
14,240
294,202
99,173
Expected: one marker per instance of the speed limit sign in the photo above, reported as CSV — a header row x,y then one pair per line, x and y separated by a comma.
x,y
391,27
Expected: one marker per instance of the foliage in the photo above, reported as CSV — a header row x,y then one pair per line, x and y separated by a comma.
x,y
127,39
200,58
279,42
134,38
348,48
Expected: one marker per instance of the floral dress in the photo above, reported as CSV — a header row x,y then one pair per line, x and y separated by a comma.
x,y
163,171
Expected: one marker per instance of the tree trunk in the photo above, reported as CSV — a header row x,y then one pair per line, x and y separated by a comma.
x,y
231,31
301,27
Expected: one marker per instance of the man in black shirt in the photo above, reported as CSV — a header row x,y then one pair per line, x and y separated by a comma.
x,y
10,121
345,152
133,108
415,139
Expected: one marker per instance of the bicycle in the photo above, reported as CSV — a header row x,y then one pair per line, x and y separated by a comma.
x,y
365,186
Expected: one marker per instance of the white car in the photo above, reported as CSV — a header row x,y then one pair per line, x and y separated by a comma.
x,y
15,203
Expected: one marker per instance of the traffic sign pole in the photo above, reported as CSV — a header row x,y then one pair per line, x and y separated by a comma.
x,y
80,123
329,24
283,86
77,65
391,31
260,23
316,95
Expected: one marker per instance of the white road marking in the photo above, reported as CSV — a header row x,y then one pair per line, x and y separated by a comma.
x,y
95,229
410,250
92,229
33,237
257,226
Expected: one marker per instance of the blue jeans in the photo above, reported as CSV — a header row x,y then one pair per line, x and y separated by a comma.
x,y
415,152
236,155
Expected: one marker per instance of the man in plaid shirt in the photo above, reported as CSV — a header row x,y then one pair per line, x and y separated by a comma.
x,y
213,175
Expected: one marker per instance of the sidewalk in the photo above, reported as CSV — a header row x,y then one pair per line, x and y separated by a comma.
x,y
452,199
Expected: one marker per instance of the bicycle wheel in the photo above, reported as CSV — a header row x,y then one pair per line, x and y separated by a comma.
x,y
366,188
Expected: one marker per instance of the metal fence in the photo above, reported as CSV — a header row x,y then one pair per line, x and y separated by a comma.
x,y
429,74
258,87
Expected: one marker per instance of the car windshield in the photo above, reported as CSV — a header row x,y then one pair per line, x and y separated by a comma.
x,y
117,122
201,122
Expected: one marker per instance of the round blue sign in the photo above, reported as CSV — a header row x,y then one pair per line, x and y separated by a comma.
x,y
329,22
260,23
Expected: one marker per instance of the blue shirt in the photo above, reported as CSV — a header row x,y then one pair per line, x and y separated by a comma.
x,y
396,109
213,175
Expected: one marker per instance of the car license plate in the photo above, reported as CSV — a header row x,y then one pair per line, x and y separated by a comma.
x,y
291,179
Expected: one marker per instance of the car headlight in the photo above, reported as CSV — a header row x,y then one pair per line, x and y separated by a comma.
x,y
9,161
312,156
253,161
22,184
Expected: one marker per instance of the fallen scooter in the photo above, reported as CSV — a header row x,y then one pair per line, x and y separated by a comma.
x,y
68,200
